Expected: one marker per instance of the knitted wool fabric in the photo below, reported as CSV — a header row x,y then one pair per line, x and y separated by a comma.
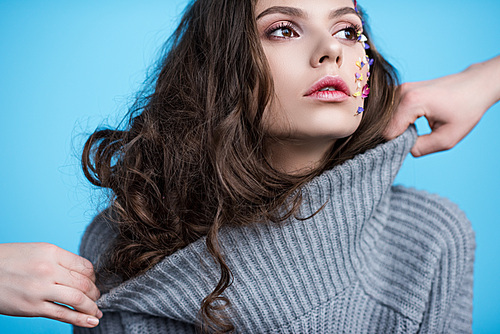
x,y
376,259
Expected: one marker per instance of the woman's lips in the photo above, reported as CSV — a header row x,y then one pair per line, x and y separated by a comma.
x,y
329,89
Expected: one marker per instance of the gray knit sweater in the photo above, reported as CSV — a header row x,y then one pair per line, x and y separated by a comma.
x,y
376,259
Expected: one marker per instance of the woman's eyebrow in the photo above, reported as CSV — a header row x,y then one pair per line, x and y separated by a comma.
x,y
292,11
343,11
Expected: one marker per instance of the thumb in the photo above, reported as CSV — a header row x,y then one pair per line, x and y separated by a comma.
x,y
440,139
405,115
397,126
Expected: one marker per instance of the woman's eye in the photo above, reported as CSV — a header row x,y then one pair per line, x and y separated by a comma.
x,y
349,34
283,32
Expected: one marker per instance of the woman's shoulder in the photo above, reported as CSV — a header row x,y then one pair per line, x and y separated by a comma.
x,y
418,239
431,234
430,220
98,236
427,209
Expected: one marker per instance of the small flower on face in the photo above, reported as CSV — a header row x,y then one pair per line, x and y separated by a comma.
x,y
359,111
366,46
360,64
366,92
359,76
362,39
368,62
356,94
368,74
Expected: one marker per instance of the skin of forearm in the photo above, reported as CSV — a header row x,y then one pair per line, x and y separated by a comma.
x,y
487,72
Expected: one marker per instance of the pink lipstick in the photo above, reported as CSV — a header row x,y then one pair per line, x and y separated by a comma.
x,y
329,89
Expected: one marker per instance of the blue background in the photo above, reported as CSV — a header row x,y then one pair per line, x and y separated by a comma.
x,y
65,67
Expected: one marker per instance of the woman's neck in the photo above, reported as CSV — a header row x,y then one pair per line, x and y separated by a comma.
x,y
294,157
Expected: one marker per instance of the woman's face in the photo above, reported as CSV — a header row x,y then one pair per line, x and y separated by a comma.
x,y
312,48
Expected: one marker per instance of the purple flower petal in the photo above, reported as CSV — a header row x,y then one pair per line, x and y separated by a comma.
x,y
366,91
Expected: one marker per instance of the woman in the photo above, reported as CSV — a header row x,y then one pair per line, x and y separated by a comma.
x,y
249,192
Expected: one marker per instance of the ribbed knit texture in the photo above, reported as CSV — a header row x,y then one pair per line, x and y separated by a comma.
x,y
376,259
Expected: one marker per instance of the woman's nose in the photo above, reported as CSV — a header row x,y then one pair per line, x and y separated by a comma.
x,y
327,50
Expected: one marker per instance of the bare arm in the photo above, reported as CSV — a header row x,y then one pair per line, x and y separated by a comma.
x,y
36,276
453,105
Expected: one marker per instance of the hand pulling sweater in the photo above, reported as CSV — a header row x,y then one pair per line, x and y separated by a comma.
x,y
375,259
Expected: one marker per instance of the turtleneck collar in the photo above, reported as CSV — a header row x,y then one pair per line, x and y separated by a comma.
x,y
268,262
370,173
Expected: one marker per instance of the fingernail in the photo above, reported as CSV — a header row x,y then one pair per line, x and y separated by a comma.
x,y
99,314
93,321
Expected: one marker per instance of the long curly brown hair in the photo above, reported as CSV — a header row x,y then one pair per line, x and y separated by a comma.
x,y
191,158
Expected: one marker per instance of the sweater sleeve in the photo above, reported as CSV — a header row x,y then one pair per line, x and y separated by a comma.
x,y
450,302
133,323
460,318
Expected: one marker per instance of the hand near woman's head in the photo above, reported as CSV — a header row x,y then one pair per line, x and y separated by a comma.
x,y
36,278
452,105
